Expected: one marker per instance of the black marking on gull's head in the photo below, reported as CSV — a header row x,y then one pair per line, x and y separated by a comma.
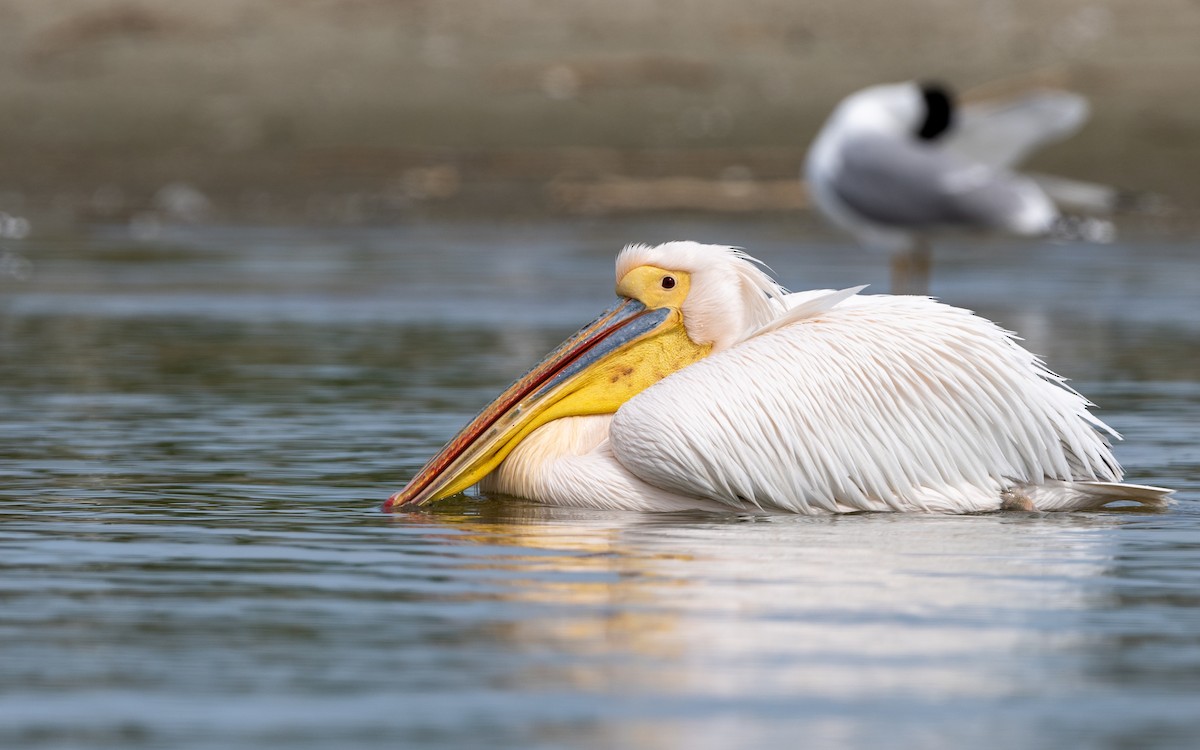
x,y
939,111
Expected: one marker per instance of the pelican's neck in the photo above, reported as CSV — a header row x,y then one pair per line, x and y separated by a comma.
x,y
569,462
531,469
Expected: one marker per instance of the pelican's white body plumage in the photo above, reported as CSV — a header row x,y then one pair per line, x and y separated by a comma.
x,y
827,402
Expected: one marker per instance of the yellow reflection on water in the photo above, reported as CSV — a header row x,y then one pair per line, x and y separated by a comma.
x,y
799,607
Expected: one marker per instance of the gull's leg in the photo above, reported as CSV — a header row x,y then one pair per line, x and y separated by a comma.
x,y
910,268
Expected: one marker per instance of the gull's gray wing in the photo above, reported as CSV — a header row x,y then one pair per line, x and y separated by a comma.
x,y
1003,133
902,183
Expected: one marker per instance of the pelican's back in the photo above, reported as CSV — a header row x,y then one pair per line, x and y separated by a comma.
x,y
881,403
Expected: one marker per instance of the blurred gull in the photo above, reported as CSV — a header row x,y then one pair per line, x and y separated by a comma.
x,y
895,161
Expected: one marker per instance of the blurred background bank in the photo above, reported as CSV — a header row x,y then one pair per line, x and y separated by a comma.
x,y
151,112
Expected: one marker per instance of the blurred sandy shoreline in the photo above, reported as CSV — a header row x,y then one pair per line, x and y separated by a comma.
x,y
378,110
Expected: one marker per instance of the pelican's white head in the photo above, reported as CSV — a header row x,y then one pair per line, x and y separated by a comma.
x,y
721,292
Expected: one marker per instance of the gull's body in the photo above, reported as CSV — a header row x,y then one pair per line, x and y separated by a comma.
x,y
818,402
895,162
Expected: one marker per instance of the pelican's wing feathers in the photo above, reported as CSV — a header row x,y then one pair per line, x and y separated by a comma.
x,y
879,403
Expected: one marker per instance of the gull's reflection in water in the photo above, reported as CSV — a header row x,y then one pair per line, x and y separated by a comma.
x,y
791,619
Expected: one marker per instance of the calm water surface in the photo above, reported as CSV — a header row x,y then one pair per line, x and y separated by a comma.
x,y
196,433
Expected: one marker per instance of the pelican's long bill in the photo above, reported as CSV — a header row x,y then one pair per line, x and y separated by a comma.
x,y
604,364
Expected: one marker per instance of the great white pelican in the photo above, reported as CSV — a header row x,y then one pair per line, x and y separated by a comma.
x,y
708,386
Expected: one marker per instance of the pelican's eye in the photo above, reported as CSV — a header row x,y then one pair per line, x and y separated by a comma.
x,y
655,287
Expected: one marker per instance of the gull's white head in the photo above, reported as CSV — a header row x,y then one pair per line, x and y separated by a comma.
x,y
909,109
721,292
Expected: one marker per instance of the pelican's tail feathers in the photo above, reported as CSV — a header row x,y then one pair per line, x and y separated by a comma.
x,y
1079,495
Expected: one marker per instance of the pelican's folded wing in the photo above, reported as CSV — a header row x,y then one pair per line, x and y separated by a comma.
x,y
881,403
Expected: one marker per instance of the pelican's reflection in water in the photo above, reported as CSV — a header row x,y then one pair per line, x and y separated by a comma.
x,y
705,623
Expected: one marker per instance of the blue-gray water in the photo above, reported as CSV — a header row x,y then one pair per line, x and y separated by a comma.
x,y
197,430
